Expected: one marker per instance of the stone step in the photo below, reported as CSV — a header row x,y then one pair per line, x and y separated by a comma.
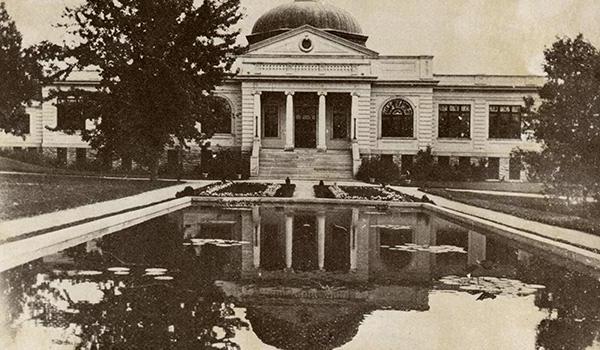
x,y
305,165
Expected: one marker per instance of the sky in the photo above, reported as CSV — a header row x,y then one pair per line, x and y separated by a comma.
x,y
465,36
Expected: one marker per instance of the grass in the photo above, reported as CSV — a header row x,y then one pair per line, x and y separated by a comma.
x,y
28,195
551,211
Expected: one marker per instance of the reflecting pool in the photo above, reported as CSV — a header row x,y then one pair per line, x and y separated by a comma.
x,y
300,277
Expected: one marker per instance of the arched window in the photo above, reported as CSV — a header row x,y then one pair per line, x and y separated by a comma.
x,y
219,116
397,119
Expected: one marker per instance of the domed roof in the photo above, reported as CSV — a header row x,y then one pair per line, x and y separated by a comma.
x,y
312,12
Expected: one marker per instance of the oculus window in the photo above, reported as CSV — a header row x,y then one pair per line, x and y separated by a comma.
x,y
397,119
505,122
454,121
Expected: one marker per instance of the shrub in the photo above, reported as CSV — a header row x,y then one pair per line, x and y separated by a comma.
x,y
322,191
224,164
424,167
382,170
286,191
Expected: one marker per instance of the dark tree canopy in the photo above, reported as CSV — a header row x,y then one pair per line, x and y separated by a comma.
x,y
568,119
159,62
20,76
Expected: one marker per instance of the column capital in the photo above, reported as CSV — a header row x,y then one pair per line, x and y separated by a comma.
x,y
290,92
322,93
355,94
256,92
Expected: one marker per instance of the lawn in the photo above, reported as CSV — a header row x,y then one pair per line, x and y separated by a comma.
x,y
28,195
551,211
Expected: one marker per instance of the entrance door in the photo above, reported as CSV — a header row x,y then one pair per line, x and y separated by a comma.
x,y
305,115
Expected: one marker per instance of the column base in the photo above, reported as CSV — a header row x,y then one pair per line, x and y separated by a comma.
x,y
321,149
289,148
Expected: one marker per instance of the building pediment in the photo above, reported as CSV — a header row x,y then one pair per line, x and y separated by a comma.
x,y
308,41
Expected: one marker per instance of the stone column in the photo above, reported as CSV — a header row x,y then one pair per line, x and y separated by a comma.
x,y
322,126
289,121
354,117
477,248
321,241
289,228
256,240
257,115
353,240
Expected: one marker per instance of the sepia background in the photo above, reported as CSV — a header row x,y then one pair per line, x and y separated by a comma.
x,y
465,36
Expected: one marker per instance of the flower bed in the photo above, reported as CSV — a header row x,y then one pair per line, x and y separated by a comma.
x,y
247,189
285,191
370,193
322,191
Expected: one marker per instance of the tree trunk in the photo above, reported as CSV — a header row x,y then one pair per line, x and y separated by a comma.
x,y
154,170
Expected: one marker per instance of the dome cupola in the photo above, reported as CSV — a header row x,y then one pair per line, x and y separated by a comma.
x,y
307,12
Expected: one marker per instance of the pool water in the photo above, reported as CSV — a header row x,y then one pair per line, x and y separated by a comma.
x,y
300,277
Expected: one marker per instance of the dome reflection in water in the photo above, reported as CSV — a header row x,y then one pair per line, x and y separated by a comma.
x,y
299,278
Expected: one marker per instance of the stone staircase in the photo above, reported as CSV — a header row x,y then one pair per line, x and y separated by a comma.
x,y
305,164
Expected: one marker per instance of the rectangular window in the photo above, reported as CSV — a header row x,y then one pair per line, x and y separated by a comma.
x,y
514,169
454,121
80,156
493,168
70,113
505,122
387,158
444,161
271,121
464,162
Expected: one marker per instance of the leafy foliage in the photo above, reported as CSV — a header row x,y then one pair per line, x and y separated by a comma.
x,y
159,62
568,120
378,168
425,168
21,73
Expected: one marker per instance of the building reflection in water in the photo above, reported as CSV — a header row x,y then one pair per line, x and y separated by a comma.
x,y
305,277
356,244
309,276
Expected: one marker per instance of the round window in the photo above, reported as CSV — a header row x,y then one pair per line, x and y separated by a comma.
x,y
306,44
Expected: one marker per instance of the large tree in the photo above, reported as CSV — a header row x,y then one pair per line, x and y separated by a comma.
x,y
20,77
159,62
568,119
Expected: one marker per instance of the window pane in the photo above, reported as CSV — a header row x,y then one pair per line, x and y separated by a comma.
x,y
221,114
455,123
505,123
70,113
397,119
493,168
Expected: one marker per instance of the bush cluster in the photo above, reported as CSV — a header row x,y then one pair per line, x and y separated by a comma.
x,y
224,164
380,169
424,168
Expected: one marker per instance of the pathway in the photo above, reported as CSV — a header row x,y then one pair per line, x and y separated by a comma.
x,y
21,226
574,237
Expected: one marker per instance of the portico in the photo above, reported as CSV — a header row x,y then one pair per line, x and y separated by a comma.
x,y
300,119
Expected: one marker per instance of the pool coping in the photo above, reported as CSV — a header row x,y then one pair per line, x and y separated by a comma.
x,y
20,251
